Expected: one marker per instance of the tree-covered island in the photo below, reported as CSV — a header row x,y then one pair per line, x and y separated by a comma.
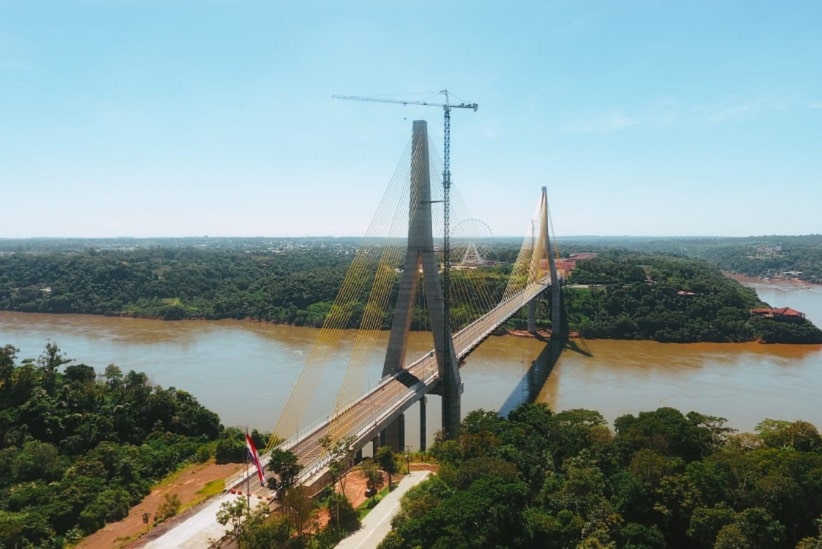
x,y
619,294
634,295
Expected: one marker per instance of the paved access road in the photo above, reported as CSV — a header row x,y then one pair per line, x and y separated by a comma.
x,y
377,523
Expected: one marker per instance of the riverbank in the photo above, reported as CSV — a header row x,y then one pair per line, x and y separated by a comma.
x,y
797,283
244,371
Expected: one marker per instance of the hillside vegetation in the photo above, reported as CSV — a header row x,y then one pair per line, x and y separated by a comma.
x,y
660,479
289,284
632,295
626,294
756,256
78,448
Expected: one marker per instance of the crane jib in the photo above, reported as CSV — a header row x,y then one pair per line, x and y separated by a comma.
x,y
472,106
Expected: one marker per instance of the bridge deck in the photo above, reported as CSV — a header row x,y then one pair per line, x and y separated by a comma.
x,y
376,409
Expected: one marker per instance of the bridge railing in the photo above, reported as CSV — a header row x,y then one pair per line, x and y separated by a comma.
x,y
317,463
364,429
469,337
476,332
303,433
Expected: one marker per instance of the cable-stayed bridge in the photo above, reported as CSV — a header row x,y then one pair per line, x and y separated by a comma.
x,y
414,273
376,414
378,410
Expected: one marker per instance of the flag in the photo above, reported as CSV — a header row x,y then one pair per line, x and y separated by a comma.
x,y
252,454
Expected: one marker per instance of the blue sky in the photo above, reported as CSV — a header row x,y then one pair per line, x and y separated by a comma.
x,y
184,118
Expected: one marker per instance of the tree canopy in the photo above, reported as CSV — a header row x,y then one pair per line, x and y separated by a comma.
x,y
620,294
78,448
631,295
660,479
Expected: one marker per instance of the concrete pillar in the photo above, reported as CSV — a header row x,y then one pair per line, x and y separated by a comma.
x,y
395,434
420,254
557,328
532,316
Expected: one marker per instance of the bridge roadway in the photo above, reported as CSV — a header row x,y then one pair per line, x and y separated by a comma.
x,y
379,407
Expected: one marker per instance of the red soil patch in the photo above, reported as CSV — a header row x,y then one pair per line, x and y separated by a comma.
x,y
124,533
127,532
355,486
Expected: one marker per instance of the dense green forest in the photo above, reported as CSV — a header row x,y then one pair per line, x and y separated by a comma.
x,y
290,283
757,256
284,286
660,479
79,448
633,295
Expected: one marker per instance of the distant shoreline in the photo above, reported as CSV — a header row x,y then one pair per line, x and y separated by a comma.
x,y
776,280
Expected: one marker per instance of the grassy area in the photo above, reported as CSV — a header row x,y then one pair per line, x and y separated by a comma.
x,y
212,488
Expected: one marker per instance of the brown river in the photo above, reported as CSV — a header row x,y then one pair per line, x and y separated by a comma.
x,y
244,371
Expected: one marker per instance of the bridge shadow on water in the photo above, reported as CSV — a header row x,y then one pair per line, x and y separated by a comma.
x,y
529,387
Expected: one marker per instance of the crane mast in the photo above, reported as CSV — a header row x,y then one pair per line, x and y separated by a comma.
x,y
446,187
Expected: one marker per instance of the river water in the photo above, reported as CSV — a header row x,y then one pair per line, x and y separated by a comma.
x,y
244,371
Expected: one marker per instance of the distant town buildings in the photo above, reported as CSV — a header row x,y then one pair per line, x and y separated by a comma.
x,y
567,264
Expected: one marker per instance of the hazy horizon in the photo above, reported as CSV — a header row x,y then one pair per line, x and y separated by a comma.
x,y
359,237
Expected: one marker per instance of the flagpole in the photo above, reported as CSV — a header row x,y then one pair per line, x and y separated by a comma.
x,y
247,476
252,456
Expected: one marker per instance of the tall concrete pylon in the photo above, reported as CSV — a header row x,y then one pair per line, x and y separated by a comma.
x,y
544,251
420,255
557,328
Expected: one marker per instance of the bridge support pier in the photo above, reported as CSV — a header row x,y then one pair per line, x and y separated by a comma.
x,y
532,316
423,402
394,434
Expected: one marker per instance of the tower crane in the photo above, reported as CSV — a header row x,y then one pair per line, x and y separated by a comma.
x,y
446,109
446,183
446,147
